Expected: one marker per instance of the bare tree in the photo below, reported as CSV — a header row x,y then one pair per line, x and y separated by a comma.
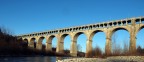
x,y
126,47
116,48
114,43
98,51
5,30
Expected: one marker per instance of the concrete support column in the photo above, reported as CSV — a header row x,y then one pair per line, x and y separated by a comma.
x,y
112,24
108,46
58,48
73,50
30,43
61,47
117,24
132,47
88,48
121,23
48,46
39,45
126,21
108,43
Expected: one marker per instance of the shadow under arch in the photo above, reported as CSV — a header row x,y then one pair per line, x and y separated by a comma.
x,y
49,43
39,43
26,42
32,42
40,39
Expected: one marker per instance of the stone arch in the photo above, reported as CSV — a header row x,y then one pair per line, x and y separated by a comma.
x,y
139,39
39,42
78,44
73,47
49,42
123,45
50,38
40,39
94,32
26,42
32,42
119,28
77,34
141,27
62,37
94,42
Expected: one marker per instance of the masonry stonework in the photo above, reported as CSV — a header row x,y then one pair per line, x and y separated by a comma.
x,y
132,25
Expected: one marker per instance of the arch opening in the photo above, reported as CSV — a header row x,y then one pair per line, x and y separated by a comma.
x,y
142,20
32,43
119,23
42,43
114,23
53,43
66,42
129,22
98,43
25,43
120,41
124,23
137,21
80,39
140,41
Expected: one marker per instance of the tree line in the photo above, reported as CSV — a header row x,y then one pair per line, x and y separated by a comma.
x,y
117,50
10,45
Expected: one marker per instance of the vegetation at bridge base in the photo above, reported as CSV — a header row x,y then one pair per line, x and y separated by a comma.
x,y
96,53
116,51
12,46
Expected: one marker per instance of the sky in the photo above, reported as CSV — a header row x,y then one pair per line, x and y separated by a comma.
x,y
27,16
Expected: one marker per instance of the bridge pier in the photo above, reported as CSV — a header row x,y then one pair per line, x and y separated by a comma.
x,y
73,50
31,43
108,42
39,46
132,47
59,48
108,46
88,48
48,47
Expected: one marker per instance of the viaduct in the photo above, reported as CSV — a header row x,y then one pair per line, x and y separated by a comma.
x,y
132,25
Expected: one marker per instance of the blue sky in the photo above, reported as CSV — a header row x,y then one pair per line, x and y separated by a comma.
x,y
27,16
